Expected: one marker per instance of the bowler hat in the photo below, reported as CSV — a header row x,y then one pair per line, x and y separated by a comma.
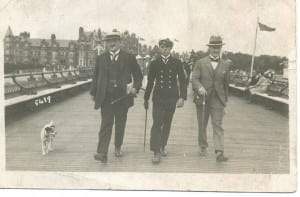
x,y
112,36
215,41
165,42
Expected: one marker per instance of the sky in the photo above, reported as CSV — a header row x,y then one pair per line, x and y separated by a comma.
x,y
191,22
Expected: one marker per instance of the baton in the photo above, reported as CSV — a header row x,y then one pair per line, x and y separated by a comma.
x,y
120,98
203,113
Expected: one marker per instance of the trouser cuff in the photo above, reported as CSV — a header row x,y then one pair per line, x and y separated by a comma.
x,y
219,151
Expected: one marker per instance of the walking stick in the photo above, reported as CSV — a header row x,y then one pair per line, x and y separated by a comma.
x,y
203,113
145,130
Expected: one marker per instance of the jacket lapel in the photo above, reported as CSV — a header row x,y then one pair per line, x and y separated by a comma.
x,y
209,67
106,61
220,67
121,60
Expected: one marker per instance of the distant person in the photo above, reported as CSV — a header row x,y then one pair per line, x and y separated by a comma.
x,y
254,79
188,70
261,86
162,78
114,71
210,80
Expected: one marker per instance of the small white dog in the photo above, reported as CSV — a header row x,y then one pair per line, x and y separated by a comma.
x,y
47,135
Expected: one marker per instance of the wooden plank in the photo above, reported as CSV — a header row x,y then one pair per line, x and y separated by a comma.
x,y
256,140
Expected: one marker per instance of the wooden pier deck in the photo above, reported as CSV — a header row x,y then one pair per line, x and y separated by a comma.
x,y
256,140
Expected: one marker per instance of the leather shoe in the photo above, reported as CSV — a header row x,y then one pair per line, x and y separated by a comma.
x,y
163,152
156,158
203,152
100,157
118,152
221,158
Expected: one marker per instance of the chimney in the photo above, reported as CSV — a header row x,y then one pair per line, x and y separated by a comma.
x,y
81,32
53,37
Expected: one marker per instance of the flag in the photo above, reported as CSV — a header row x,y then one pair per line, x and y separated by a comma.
x,y
263,27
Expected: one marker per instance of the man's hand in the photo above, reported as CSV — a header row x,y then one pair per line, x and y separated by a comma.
x,y
180,103
146,105
202,91
132,91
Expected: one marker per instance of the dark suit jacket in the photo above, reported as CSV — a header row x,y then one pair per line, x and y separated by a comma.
x,y
205,76
129,69
165,77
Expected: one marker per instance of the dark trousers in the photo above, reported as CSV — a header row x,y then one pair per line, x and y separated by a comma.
x,y
111,114
162,118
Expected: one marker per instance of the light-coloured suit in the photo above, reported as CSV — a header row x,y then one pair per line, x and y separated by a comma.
x,y
216,83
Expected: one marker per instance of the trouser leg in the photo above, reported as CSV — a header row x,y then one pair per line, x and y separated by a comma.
x,y
218,131
120,123
202,134
107,120
158,114
167,121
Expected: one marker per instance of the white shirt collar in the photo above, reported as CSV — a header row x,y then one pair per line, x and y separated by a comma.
x,y
114,55
167,57
215,58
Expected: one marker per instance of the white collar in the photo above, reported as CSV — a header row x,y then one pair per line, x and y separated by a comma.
x,y
114,53
167,57
214,58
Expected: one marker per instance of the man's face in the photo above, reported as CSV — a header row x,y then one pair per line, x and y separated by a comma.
x,y
113,45
165,50
215,51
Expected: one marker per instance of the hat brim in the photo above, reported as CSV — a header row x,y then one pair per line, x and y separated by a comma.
x,y
110,39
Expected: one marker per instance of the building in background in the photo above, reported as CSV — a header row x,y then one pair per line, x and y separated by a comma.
x,y
23,52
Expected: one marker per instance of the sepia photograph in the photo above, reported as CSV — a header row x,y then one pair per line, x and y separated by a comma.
x,y
176,95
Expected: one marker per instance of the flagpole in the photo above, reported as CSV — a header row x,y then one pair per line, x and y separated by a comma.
x,y
254,48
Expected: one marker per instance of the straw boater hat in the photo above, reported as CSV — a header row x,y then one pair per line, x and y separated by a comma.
x,y
112,36
215,41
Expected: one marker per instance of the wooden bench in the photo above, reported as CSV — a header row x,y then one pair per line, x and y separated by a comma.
x,y
43,93
237,89
273,98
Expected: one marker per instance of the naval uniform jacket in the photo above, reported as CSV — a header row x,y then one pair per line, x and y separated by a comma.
x,y
129,69
164,78
214,81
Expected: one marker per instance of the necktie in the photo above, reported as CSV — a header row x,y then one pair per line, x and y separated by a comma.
x,y
214,59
